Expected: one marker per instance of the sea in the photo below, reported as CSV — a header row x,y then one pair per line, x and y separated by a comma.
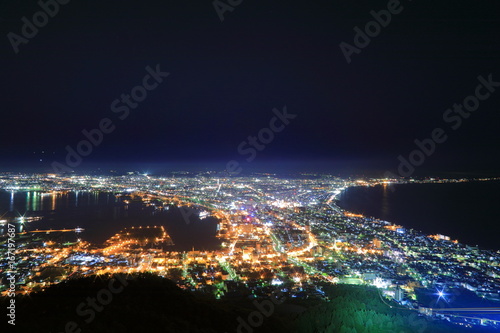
x,y
466,211
103,214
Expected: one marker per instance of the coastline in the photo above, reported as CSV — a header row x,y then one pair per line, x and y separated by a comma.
x,y
432,224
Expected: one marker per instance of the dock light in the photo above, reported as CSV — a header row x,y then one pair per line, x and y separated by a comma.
x,y
441,295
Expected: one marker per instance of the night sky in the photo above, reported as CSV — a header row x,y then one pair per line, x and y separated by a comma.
x,y
226,77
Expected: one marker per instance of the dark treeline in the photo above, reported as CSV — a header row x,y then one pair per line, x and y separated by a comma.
x,y
149,303
360,309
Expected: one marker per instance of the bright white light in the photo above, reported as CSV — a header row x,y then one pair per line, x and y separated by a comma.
x,y
276,282
441,295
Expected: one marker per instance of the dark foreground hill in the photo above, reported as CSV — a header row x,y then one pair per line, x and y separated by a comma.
x,y
143,303
148,303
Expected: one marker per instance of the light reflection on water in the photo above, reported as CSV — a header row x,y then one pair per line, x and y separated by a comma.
x,y
72,208
102,214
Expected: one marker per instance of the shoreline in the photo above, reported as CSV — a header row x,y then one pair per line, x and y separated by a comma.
x,y
419,229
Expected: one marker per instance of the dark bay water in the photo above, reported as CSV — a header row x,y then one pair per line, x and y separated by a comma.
x,y
102,215
464,211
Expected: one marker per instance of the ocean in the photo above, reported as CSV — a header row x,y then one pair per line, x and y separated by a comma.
x,y
465,211
102,214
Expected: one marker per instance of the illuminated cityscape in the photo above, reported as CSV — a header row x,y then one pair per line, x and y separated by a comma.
x,y
273,231
250,166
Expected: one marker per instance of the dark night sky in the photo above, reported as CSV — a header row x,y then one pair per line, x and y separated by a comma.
x,y
226,77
